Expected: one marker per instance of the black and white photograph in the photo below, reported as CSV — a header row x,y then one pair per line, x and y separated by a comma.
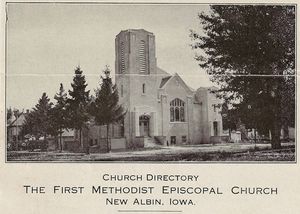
x,y
149,82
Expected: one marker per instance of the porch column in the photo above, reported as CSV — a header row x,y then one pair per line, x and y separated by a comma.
x,y
154,124
137,124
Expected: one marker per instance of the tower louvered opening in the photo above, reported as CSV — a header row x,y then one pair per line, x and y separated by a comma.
x,y
142,56
122,65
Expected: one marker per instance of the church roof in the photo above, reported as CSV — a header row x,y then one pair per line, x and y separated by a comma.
x,y
210,88
163,72
164,81
135,30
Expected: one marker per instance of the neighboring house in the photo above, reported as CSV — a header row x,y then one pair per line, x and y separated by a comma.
x,y
69,140
288,134
94,137
69,143
14,127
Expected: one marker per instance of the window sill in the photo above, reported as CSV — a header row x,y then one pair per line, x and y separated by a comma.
x,y
178,122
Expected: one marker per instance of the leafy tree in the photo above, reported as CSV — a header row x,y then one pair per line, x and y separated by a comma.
x,y
105,107
248,51
78,103
59,114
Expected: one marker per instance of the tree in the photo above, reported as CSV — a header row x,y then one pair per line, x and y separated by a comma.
x,y
38,121
28,125
59,113
248,50
105,108
78,103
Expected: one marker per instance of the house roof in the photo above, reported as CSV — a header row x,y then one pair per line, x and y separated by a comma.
x,y
68,133
19,121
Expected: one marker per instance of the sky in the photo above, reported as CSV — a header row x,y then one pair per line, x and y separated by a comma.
x,y
45,43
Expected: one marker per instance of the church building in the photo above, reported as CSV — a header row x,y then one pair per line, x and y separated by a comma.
x,y
161,107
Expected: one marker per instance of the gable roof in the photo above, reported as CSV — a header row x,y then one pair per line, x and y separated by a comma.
x,y
162,72
68,133
19,121
166,80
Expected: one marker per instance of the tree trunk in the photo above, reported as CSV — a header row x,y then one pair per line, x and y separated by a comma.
x,y
107,141
46,144
81,144
255,135
275,132
276,128
285,131
60,138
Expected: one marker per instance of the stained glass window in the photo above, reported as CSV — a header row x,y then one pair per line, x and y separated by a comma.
x,y
177,110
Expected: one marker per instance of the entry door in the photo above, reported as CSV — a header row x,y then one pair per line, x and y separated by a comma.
x,y
144,126
173,140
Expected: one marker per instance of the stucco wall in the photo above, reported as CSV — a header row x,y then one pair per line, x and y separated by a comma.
x,y
202,127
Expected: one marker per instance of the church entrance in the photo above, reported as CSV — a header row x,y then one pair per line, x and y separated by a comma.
x,y
144,125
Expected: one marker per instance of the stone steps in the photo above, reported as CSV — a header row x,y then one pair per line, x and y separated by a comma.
x,y
150,142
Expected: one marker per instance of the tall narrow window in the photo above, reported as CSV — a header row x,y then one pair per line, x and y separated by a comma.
x,y
122,91
181,116
172,114
177,111
122,63
177,115
215,127
142,56
144,88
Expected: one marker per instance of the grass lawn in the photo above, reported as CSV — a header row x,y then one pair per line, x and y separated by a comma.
x,y
201,153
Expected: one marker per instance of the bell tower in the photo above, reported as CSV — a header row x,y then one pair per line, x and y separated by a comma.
x,y
135,67
135,52
136,77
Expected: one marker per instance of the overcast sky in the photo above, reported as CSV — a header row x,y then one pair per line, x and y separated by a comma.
x,y
47,41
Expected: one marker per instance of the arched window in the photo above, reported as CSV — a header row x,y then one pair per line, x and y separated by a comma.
x,y
177,110
142,56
